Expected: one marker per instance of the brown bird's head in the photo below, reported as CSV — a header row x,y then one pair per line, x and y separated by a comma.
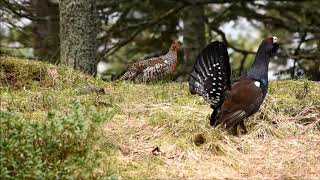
x,y
175,45
271,45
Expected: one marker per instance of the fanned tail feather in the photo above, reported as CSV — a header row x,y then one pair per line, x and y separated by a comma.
x,y
210,76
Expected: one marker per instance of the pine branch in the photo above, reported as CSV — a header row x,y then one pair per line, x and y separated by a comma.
x,y
226,42
143,27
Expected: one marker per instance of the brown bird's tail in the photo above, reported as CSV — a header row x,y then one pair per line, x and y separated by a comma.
x,y
130,74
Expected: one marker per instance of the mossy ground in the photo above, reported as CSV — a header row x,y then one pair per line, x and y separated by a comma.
x,y
153,130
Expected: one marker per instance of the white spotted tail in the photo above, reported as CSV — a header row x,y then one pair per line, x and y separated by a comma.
x,y
210,77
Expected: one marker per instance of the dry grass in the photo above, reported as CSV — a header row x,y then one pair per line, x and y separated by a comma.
x,y
156,127
158,124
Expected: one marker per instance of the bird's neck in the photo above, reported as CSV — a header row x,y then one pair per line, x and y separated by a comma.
x,y
259,68
171,56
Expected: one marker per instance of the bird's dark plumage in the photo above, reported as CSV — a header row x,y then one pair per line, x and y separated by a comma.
x,y
210,78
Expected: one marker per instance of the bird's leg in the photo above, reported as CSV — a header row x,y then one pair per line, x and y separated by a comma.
x,y
213,116
235,130
242,126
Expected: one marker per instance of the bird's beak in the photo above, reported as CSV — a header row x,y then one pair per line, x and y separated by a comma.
x,y
275,39
275,45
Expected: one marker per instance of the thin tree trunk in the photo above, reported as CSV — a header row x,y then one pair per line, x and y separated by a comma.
x,y
193,35
45,30
78,32
243,60
293,69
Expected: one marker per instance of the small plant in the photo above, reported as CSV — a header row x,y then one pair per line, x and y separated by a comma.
x,y
56,147
52,132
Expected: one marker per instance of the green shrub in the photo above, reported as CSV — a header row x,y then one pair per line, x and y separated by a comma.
x,y
55,147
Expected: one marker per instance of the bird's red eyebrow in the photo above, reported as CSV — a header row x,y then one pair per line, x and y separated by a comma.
x,y
269,40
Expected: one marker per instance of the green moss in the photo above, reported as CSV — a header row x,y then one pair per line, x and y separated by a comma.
x,y
28,91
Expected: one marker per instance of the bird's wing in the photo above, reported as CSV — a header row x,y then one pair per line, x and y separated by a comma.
x,y
244,99
137,68
210,77
154,71
142,65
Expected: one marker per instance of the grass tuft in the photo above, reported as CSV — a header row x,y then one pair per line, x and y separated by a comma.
x,y
139,131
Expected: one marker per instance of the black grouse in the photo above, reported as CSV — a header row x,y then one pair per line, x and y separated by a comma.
x,y
210,78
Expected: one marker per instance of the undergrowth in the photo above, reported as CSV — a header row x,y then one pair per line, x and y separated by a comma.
x,y
48,130
53,147
136,131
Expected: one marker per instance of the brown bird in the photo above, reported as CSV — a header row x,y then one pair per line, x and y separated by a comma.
x,y
154,68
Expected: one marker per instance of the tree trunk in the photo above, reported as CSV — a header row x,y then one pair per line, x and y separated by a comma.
x,y
243,60
45,29
78,34
193,36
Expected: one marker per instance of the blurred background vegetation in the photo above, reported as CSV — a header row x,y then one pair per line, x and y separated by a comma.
x,y
131,30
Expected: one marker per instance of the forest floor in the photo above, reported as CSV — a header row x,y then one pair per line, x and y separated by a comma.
x,y
161,131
